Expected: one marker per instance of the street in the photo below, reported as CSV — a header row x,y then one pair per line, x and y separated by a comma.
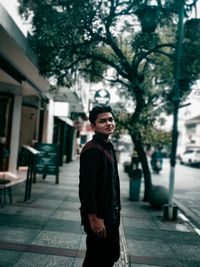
x,y
186,188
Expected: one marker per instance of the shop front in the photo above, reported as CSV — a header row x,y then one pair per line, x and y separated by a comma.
x,y
23,95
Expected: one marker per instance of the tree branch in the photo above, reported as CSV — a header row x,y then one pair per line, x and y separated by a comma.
x,y
111,41
141,55
106,61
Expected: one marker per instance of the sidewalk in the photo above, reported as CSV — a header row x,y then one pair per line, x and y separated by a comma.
x,y
46,230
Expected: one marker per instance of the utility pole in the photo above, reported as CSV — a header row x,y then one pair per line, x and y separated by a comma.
x,y
171,213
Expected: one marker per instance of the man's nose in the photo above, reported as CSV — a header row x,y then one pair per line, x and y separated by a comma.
x,y
109,122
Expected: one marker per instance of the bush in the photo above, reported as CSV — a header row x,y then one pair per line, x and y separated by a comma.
x,y
158,196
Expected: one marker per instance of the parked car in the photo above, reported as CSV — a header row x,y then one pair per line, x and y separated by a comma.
x,y
191,157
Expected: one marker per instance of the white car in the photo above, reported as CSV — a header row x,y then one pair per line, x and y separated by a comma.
x,y
191,157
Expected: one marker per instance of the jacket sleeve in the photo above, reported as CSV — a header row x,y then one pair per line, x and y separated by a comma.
x,y
89,166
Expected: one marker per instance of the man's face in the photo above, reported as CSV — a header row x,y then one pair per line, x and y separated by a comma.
x,y
104,124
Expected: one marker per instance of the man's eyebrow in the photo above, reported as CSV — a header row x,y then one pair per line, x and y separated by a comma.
x,y
106,118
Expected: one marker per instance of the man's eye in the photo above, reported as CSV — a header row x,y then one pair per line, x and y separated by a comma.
x,y
105,120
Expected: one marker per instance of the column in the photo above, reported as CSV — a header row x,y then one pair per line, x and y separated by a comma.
x,y
15,133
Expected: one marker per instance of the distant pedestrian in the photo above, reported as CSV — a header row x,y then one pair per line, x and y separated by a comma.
x,y
99,192
157,160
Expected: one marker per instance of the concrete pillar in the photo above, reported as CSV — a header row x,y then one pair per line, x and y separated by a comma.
x,y
74,145
50,122
15,133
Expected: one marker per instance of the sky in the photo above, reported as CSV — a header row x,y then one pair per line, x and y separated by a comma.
x,y
11,7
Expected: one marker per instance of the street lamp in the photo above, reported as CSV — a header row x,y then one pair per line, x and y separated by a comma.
x,y
170,211
148,18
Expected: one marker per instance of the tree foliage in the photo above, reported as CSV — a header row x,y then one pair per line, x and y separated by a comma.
x,y
92,36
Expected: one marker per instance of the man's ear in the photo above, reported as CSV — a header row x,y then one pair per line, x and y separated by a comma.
x,y
92,126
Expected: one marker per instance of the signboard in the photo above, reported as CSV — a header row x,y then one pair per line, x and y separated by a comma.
x,y
46,162
102,97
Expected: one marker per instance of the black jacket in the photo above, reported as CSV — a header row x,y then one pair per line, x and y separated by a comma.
x,y
98,164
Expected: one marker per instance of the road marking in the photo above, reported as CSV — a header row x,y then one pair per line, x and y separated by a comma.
x,y
185,219
197,230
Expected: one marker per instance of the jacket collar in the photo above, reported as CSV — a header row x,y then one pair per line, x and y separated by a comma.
x,y
98,138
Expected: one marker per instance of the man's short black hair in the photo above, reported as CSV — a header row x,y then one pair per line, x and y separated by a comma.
x,y
96,110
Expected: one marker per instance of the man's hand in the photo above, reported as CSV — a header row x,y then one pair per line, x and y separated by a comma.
x,y
97,225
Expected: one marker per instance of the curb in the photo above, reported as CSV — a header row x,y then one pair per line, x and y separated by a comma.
x,y
187,219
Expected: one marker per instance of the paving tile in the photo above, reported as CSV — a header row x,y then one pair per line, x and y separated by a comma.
x,y
177,225
17,235
70,205
13,220
82,245
187,252
143,265
78,262
127,211
57,239
142,234
45,195
63,226
149,248
36,212
9,258
10,209
47,202
172,237
38,260
139,223
67,215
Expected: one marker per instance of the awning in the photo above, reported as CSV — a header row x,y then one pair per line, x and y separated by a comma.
x,y
67,120
76,108
75,105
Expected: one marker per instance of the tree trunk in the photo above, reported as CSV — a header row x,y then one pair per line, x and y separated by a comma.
x,y
145,167
136,138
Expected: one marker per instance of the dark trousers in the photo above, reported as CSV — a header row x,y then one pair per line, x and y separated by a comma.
x,y
102,252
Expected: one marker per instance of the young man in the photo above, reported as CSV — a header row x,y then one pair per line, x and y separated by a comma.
x,y
99,192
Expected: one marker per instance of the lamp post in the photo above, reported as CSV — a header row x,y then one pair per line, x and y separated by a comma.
x,y
148,25
170,211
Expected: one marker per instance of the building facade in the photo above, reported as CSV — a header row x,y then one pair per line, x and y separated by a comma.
x,y
24,100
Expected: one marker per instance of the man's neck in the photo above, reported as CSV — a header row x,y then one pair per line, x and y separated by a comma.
x,y
104,137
